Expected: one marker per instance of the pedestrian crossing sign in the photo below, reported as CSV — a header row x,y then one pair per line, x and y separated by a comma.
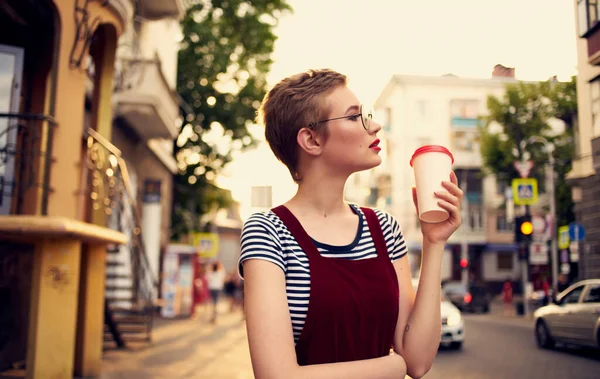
x,y
207,244
525,191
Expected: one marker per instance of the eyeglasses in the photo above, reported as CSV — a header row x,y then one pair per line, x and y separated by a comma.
x,y
366,116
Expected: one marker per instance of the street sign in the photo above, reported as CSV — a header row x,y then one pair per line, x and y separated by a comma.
x,y
574,248
576,232
564,256
207,244
525,191
563,237
539,224
523,168
538,253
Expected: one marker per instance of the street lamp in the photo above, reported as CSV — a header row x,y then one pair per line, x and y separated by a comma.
x,y
550,173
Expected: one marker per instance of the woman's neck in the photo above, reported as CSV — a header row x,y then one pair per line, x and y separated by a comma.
x,y
321,195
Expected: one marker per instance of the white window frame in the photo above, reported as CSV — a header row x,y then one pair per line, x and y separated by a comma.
x,y
586,20
8,174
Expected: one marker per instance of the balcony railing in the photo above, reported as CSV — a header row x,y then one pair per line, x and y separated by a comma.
x,y
25,157
111,190
130,284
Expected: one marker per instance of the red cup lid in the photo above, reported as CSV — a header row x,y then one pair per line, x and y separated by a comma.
x,y
431,149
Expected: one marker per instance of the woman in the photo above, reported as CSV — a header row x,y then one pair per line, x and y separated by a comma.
x,y
216,283
327,284
507,297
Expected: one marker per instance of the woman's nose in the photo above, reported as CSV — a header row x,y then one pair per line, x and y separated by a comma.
x,y
374,127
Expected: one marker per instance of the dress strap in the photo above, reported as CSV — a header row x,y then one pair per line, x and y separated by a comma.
x,y
294,226
376,232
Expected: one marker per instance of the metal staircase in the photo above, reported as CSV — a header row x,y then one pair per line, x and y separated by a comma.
x,y
131,289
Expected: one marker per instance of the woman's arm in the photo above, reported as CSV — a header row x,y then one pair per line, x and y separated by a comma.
x,y
271,337
418,330
419,326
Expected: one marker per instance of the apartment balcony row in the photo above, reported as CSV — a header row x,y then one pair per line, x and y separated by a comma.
x,y
147,9
144,99
158,9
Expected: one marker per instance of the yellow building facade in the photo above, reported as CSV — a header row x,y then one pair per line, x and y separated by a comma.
x,y
53,236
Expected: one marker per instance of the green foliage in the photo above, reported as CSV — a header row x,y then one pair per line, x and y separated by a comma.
x,y
523,112
224,59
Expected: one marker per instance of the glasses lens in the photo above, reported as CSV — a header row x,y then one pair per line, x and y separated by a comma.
x,y
367,116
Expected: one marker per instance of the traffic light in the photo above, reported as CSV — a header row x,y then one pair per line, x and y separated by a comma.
x,y
523,229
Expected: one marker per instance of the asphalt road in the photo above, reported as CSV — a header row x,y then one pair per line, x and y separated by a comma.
x,y
498,348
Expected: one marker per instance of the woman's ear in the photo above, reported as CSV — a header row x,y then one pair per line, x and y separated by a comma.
x,y
310,141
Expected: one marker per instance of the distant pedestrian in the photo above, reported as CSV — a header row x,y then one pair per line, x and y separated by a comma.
x,y
216,283
546,291
201,291
563,283
507,297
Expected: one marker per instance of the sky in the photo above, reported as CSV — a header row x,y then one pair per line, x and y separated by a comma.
x,y
370,41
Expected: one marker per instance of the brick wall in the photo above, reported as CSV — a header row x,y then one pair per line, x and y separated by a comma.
x,y
588,214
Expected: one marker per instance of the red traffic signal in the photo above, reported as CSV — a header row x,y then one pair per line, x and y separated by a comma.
x,y
464,262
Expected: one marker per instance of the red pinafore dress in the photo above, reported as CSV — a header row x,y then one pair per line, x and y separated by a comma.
x,y
353,305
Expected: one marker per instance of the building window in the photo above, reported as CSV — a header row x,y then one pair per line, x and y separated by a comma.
x,y
504,261
475,217
387,127
587,15
501,186
373,196
504,225
464,113
595,97
465,141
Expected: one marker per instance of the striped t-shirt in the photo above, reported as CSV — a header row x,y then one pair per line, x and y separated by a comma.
x,y
265,237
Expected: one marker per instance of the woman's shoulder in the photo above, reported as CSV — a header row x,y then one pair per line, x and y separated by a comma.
x,y
385,218
265,219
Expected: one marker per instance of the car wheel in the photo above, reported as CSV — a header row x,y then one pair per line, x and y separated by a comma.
x,y
486,308
542,335
456,345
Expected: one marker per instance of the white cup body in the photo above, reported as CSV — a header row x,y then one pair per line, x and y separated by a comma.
x,y
430,169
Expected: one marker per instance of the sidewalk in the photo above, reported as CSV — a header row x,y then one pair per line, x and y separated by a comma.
x,y
499,314
196,349
187,349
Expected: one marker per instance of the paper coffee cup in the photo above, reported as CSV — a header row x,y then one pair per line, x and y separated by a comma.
x,y
432,164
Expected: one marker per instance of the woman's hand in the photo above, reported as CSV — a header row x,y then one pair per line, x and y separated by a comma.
x,y
450,200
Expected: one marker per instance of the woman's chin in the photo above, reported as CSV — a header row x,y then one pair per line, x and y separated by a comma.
x,y
372,163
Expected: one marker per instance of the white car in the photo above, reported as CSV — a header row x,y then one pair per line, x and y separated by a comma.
x,y
573,318
453,326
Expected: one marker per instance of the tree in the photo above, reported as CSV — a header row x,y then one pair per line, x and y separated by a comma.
x,y
224,58
526,110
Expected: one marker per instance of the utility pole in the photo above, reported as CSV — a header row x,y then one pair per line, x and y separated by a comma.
x,y
550,177
553,218
524,245
464,246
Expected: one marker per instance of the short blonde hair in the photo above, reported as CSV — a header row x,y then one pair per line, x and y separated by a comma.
x,y
293,104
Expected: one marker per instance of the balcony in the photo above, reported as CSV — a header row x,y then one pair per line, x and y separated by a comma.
x,y
157,9
123,8
144,100
593,39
